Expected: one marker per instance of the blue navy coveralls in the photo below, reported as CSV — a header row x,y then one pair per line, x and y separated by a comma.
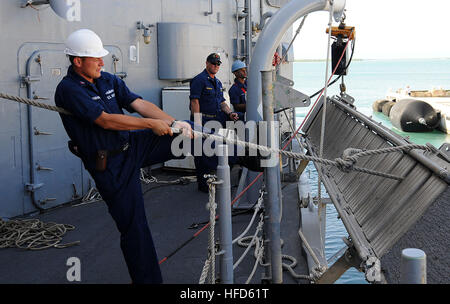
x,y
209,93
237,94
119,185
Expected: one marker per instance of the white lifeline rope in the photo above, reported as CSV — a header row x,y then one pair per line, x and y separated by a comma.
x,y
209,266
257,208
34,103
319,268
259,253
345,164
253,240
153,179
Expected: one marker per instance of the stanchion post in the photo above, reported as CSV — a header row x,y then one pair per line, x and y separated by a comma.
x,y
271,179
225,228
413,266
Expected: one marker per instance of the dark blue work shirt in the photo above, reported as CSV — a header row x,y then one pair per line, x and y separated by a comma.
x,y
237,92
86,101
208,91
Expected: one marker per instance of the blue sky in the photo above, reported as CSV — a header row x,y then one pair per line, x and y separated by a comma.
x,y
385,29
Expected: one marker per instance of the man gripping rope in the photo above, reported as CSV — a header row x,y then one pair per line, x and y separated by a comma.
x,y
114,146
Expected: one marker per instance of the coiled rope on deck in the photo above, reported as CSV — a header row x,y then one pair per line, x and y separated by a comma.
x,y
33,234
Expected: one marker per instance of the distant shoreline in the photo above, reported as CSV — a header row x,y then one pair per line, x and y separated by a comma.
x,y
360,59
322,60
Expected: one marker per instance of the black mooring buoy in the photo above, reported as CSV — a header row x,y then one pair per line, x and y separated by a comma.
x,y
412,115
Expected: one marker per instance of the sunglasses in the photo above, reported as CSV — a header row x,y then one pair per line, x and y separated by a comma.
x,y
216,63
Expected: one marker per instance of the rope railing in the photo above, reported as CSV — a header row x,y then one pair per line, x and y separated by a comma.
x,y
346,163
255,212
255,240
209,266
34,103
242,240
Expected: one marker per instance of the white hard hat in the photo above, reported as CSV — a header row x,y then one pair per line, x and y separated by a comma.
x,y
85,43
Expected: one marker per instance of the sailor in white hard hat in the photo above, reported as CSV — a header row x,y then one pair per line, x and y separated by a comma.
x,y
114,146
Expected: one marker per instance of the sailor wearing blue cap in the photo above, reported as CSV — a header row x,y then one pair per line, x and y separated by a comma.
x,y
114,146
206,94
207,103
238,90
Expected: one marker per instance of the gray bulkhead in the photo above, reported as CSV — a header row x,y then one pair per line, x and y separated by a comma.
x,y
38,170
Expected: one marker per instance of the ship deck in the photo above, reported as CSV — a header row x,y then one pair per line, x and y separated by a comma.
x,y
171,211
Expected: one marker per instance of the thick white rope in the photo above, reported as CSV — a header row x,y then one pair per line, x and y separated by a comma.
x,y
252,241
35,103
259,253
257,208
153,179
209,266
291,270
33,234
205,271
345,164
308,247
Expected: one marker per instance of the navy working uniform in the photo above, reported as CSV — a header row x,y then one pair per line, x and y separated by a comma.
x,y
127,151
209,93
238,92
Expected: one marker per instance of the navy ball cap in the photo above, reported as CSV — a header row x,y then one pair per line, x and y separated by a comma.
x,y
214,58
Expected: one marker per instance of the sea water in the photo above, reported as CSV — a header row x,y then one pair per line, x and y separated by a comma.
x,y
367,81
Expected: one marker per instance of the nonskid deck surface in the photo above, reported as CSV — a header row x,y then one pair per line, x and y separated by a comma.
x,y
170,210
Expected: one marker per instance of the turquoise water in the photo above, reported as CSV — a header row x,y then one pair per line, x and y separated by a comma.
x,y
367,81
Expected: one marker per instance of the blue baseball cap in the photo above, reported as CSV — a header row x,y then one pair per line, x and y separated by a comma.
x,y
214,58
